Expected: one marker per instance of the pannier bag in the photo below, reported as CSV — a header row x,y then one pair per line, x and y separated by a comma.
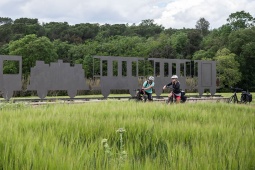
x,y
183,97
246,96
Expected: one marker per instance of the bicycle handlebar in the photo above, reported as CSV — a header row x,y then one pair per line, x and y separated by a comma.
x,y
236,89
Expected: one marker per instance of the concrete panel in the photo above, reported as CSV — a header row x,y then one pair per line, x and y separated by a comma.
x,y
10,82
57,76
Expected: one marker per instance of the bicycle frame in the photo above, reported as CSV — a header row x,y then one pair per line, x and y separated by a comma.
x,y
233,98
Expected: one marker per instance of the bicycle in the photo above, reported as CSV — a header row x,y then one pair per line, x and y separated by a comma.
x,y
172,99
246,97
141,95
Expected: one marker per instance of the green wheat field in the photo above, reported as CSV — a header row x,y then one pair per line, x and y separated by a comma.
x,y
127,135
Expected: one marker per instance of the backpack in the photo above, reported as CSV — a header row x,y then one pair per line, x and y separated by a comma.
x,y
146,83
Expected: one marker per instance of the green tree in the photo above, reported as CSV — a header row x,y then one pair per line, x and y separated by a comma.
x,y
212,43
203,26
5,30
4,49
161,47
241,42
241,19
6,33
32,48
195,40
227,68
247,66
180,42
25,26
147,28
62,50
202,55
237,39
5,20
56,30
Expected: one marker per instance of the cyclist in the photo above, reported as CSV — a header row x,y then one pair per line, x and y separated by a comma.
x,y
176,92
148,86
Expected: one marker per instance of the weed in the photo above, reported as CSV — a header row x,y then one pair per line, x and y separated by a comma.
x,y
121,156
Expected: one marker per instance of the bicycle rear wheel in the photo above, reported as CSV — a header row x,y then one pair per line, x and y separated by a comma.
x,y
145,98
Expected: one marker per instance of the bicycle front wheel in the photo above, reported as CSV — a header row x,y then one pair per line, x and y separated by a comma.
x,y
232,99
170,100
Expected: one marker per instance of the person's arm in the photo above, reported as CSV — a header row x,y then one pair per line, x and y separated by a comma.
x,y
169,84
149,87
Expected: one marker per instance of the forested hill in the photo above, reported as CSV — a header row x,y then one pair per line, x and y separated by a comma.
x,y
232,44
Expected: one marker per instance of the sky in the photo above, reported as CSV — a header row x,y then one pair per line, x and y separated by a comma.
x,y
168,13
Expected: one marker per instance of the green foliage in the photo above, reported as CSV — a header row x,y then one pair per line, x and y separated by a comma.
x,y
5,20
238,39
147,28
32,48
240,20
158,136
55,30
227,68
213,42
62,50
241,42
202,55
5,32
179,42
4,50
203,26
195,40
24,26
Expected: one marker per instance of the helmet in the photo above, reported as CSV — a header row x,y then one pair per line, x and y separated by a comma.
x,y
151,78
174,77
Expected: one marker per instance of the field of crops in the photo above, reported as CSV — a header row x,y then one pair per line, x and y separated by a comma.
x,y
127,135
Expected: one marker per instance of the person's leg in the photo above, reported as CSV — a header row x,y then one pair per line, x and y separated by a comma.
x,y
178,99
170,94
149,96
169,97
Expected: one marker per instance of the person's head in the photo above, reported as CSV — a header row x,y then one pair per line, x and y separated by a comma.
x,y
174,78
151,79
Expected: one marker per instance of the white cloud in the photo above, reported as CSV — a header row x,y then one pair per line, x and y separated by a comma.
x,y
183,13
169,13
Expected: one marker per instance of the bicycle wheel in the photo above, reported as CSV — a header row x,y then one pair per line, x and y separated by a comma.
x,y
145,98
169,100
232,99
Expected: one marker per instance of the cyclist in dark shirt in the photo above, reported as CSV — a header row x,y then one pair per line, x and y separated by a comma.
x,y
176,92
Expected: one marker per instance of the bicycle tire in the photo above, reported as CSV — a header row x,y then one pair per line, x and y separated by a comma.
x,y
231,99
169,100
145,98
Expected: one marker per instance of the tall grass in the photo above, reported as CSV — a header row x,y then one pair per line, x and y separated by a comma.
x,y
158,136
